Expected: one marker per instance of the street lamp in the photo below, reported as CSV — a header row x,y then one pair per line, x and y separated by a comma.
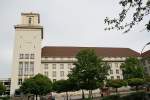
x,y
144,47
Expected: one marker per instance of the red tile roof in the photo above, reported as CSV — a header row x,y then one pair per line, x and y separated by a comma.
x,y
50,51
146,54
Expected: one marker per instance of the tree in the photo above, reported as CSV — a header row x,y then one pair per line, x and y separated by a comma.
x,y
2,88
135,82
132,68
139,9
116,84
64,86
89,70
37,85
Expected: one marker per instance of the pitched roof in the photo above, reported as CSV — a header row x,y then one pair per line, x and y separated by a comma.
x,y
146,54
51,51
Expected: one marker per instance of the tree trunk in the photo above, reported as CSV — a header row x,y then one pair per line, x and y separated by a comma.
x,y
67,95
83,97
116,90
136,87
36,97
90,93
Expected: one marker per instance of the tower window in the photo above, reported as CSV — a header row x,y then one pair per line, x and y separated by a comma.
x,y
26,56
19,81
30,20
21,56
32,56
20,69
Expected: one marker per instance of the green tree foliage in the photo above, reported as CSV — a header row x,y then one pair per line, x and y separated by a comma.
x,y
89,71
64,86
37,85
132,68
147,82
139,10
135,82
2,88
116,84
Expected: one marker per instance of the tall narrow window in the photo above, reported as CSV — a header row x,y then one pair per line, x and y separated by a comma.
x,y
117,71
54,74
46,73
111,71
31,68
61,66
26,56
30,20
26,67
116,64
19,81
69,66
45,66
20,72
32,56
54,66
61,73
21,56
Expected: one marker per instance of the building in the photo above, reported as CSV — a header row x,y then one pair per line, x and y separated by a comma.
x,y
146,61
6,82
55,62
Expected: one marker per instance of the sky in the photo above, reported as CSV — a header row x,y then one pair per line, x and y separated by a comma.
x,y
67,23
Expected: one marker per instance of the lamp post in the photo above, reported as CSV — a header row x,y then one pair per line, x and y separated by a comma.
x,y
144,47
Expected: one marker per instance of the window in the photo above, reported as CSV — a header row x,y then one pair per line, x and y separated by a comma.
x,y
54,74
19,81
54,66
32,56
69,66
31,68
20,72
117,71
110,64
112,77
61,66
61,73
111,71
46,73
30,20
148,61
116,64
54,80
145,69
26,68
26,56
21,56
118,77
45,66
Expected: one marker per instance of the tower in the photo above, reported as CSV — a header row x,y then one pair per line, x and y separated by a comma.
x,y
27,49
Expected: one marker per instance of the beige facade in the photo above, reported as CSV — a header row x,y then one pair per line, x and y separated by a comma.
x,y
59,68
27,49
30,59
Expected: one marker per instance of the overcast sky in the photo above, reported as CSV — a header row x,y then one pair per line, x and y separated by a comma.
x,y
67,23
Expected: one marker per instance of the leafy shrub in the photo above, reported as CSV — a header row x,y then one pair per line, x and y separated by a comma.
x,y
132,96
